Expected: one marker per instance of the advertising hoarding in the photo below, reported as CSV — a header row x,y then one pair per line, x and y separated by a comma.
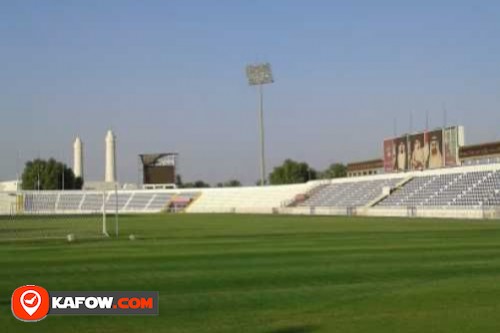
x,y
421,151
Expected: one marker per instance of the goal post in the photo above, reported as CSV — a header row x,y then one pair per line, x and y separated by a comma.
x,y
70,215
104,212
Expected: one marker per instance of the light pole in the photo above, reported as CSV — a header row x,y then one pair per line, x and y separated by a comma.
x,y
258,75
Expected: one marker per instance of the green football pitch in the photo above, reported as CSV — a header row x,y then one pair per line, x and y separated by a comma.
x,y
270,274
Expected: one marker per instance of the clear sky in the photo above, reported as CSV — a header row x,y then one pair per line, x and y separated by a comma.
x,y
169,76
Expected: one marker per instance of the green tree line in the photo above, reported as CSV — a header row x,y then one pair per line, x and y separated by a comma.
x,y
290,172
49,174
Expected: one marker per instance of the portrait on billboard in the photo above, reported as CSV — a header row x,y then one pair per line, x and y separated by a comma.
x,y
389,155
401,160
435,149
419,151
451,146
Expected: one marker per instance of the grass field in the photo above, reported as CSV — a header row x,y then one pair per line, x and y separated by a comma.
x,y
273,274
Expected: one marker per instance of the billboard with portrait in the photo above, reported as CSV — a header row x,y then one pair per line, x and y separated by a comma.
x,y
418,151
396,154
421,151
389,155
451,146
401,158
436,157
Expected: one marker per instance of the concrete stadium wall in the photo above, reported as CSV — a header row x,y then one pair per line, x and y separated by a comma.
x,y
459,213
7,202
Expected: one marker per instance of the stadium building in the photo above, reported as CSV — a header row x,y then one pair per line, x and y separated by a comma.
x,y
426,174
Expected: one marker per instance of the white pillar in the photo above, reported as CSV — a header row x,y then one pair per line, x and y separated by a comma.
x,y
78,157
110,175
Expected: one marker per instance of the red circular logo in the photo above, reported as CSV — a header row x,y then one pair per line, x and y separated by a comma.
x,y
30,303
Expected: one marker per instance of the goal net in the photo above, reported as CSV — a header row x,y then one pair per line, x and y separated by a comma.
x,y
44,215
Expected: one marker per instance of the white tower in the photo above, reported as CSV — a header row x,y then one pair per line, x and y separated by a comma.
x,y
78,157
110,157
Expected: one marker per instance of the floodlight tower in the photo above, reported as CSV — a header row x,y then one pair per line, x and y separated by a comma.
x,y
258,75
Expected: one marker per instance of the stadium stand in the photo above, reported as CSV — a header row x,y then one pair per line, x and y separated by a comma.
x,y
460,192
70,201
349,194
138,202
247,199
91,202
118,200
466,189
159,201
470,191
480,161
75,202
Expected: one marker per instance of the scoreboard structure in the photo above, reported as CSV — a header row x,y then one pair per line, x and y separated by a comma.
x,y
158,171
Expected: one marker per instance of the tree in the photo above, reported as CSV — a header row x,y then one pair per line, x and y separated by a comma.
x,y
335,170
78,183
230,183
178,181
196,184
259,182
49,175
291,172
200,184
